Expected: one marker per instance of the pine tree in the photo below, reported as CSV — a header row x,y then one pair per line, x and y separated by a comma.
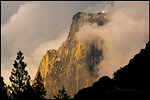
x,y
29,92
38,87
62,94
19,77
3,91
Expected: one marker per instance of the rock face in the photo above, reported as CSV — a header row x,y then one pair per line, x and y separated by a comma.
x,y
74,64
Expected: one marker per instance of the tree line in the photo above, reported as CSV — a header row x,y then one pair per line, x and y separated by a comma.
x,y
21,87
132,79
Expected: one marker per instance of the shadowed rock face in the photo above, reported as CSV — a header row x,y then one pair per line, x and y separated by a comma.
x,y
129,83
74,64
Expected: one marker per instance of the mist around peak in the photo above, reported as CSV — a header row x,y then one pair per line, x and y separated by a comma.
x,y
125,33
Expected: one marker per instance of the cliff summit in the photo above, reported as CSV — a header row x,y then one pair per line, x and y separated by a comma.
x,y
74,64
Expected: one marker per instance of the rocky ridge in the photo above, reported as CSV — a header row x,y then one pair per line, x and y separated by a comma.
x,y
74,64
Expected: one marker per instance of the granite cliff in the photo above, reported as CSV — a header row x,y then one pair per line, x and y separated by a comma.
x,y
74,64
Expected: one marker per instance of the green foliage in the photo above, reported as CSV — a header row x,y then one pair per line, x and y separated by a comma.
x,y
3,92
19,77
39,88
62,94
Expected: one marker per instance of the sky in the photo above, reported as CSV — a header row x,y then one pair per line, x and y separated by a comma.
x,y
34,27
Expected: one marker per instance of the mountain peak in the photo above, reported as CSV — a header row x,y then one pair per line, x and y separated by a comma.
x,y
80,18
74,64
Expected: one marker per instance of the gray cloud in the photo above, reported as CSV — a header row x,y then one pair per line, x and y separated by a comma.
x,y
35,27
8,8
126,33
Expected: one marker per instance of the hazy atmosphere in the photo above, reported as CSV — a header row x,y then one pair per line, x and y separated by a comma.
x,y
35,27
125,34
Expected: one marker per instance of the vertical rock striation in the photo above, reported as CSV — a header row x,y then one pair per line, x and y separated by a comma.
x,y
74,64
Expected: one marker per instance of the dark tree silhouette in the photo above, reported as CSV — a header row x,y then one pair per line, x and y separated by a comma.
x,y
62,94
3,91
29,92
39,88
19,77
